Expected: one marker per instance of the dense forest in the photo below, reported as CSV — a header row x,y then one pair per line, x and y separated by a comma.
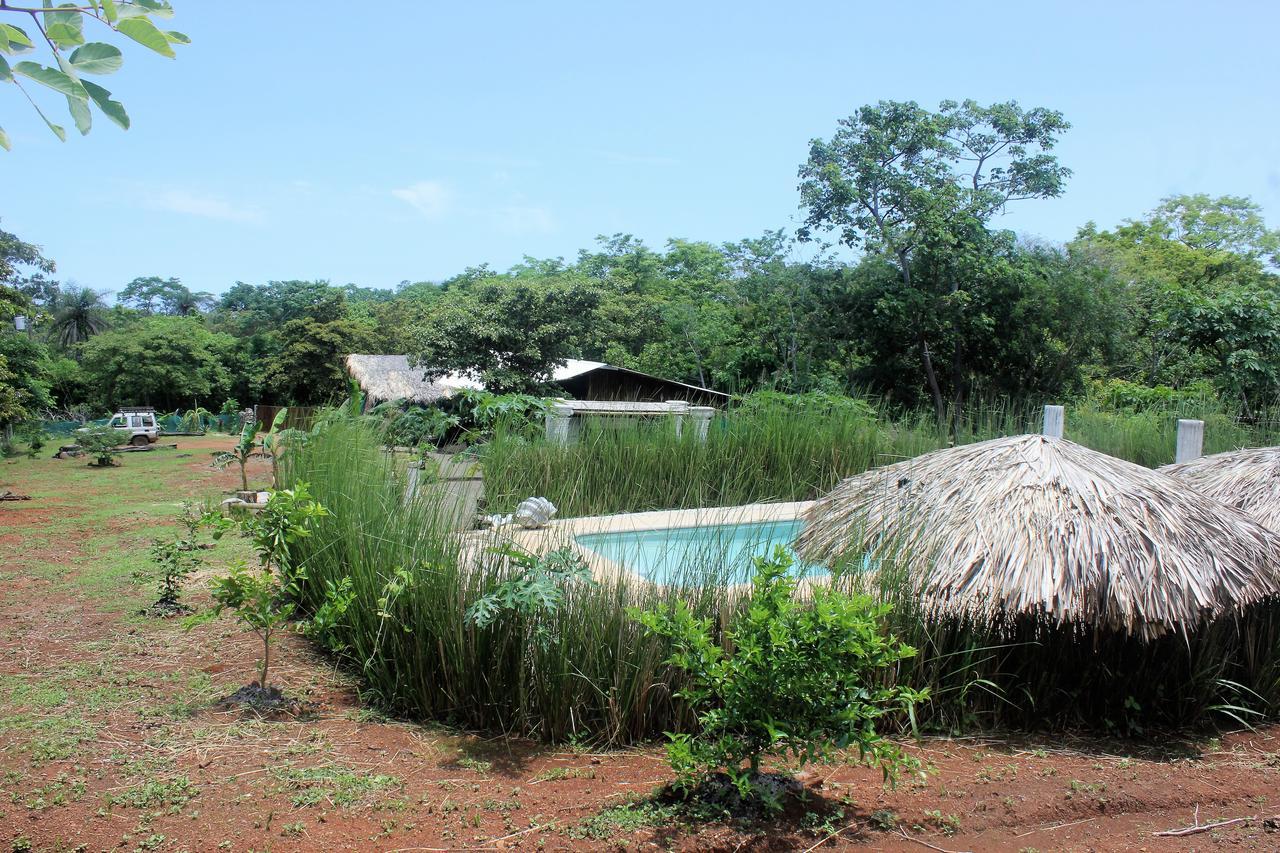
x,y
898,284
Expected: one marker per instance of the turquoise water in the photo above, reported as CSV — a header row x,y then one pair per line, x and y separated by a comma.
x,y
670,555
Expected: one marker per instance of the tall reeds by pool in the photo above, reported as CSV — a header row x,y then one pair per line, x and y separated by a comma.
x,y
589,671
779,447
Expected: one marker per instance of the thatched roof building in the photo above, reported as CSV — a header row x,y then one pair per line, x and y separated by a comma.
x,y
1043,526
1248,480
390,377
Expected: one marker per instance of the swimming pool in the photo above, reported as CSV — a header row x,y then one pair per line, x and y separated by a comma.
x,y
675,554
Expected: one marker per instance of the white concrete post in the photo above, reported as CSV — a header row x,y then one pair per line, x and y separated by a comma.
x,y
411,482
678,409
1054,420
701,421
1190,440
558,420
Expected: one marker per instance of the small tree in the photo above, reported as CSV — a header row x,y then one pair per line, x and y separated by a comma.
x,y
100,442
801,679
260,597
176,562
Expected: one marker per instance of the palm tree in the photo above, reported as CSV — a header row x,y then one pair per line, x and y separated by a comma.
x,y
186,302
78,314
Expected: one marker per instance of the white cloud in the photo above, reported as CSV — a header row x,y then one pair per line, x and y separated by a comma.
x,y
503,211
205,206
430,198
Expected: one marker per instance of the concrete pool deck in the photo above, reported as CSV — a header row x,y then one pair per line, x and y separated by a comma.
x,y
563,532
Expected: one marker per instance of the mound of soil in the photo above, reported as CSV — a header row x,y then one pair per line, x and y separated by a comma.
x,y
267,702
718,794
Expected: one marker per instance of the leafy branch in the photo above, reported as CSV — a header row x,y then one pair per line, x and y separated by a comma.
x,y
62,29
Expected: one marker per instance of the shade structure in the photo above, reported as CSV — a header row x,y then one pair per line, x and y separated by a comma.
x,y
1044,526
1248,480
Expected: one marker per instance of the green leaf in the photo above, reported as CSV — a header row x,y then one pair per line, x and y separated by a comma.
x,y
113,110
159,8
14,40
57,129
145,33
5,74
65,29
80,113
4,140
97,58
109,9
176,37
55,80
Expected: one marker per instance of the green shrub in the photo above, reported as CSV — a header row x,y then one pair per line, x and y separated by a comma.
x,y
101,443
799,679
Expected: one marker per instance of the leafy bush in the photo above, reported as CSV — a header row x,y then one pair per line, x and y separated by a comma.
x,y
414,426
800,679
256,596
101,443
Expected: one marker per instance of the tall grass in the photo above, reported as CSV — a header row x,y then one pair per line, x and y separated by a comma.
x,y
589,671
789,450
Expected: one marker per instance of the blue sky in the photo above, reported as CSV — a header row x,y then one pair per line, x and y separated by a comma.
x,y
372,143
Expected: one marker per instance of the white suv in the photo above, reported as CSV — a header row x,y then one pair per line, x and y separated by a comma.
x,y
140,424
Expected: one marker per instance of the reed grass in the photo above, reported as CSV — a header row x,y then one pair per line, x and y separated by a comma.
x,y
588,671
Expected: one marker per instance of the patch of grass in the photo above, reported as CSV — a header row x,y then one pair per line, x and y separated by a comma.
x,y
625,818
335,784
156,794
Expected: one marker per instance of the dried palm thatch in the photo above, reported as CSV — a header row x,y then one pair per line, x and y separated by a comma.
x,y
389,377
1031,525
1247,479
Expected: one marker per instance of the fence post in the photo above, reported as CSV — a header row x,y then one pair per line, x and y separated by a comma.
x,y
678,409
701,421
1190,440
558,419
1054,419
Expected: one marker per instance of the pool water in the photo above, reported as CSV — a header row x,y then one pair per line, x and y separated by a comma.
x,y
675,554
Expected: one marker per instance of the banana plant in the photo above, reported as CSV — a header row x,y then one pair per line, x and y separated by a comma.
x,y
248,447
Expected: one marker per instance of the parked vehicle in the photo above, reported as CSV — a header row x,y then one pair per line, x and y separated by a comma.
x,y
139,423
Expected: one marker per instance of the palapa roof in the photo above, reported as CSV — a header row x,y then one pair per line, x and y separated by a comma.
x,y
1247,479
1036,525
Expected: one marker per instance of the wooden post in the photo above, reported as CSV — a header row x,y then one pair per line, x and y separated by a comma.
x,y
1054,420
1190,440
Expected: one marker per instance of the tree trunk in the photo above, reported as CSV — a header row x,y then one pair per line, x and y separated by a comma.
x,y
926,357
266,660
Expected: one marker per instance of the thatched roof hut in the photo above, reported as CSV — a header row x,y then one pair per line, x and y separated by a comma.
x,y
1248,480
1043,526
389,377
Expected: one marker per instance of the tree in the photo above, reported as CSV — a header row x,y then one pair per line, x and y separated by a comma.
x,y
309,365
15,256
62,30
24,386
162,361
510,334
1188,250
155,295
78,314
896,177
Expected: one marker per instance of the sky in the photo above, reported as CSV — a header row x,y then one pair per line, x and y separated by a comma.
x,y
372,143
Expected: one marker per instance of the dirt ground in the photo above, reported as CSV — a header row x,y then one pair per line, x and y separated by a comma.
x,y
110,738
